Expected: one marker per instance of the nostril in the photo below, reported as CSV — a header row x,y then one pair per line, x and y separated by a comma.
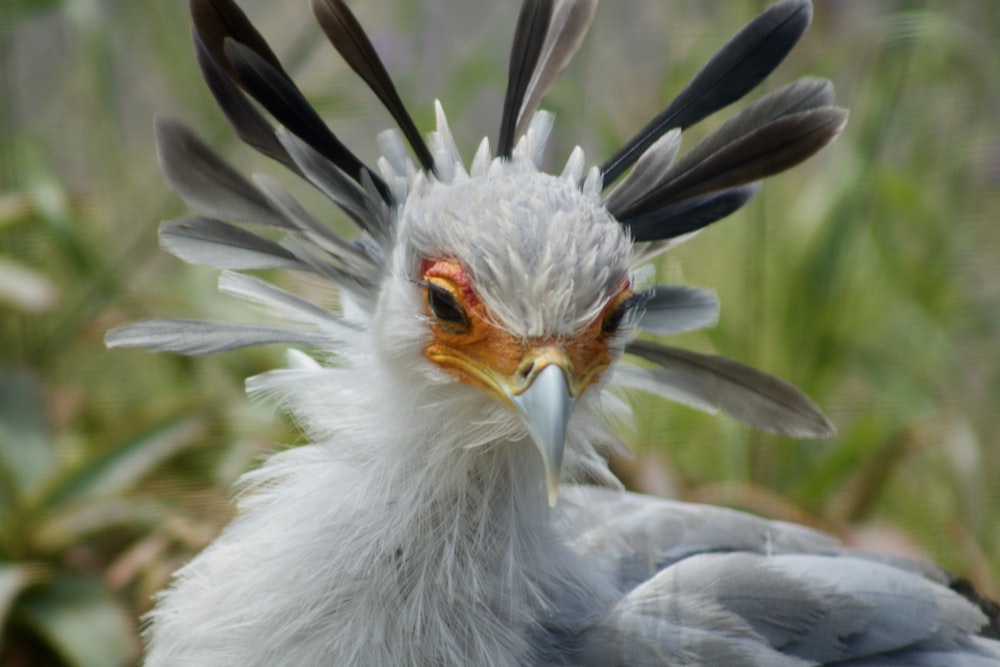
x,y
526,370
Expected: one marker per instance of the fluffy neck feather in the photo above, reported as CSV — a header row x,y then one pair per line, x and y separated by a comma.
x,y
455,538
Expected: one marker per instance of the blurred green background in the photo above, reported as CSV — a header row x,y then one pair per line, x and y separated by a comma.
x,y
870,277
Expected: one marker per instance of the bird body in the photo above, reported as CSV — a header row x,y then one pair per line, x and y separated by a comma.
x,y
455,506
497,582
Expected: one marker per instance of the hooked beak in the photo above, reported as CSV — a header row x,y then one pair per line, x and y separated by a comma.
x,y
539,382
545,405
538,378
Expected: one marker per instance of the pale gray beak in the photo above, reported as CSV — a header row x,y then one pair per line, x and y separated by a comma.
x,y
545,406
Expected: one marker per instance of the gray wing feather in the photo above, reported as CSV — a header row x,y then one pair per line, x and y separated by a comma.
x,y
634,536
977,652
821,609
708,586
692,614
907,610
639,636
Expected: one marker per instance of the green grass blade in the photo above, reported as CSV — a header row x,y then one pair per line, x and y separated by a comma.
x,y
124,465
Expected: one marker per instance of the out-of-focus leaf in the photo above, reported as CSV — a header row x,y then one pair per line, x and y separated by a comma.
x,y
838,464
27,459
859,495
81,620
55,207
25,288
14,577
14,207
124,465
62,529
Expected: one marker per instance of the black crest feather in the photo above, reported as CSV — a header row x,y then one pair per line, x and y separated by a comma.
x,y
243,54
772,134
766,151
215,20
567,28
736,69
349,38
529,37
249,123
689,215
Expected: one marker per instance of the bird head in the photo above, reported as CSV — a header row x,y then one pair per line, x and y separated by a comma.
x,y
519,283
499,280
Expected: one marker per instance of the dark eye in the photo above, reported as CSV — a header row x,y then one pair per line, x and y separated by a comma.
x,y
445,307
614,319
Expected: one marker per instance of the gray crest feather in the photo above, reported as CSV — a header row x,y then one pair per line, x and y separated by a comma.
x,y
207,182
277,93
332,182
196,337
672,309
744,393
277,301
308,254
244,56
356,257
216,20
648,171
210,242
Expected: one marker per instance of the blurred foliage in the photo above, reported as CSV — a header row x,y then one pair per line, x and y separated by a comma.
x,y
69,530
869,277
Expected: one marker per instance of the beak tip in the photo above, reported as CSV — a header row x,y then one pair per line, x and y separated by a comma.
x,y
553,491
545,406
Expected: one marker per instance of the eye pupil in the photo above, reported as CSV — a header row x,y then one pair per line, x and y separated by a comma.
x,y
613,320
445,308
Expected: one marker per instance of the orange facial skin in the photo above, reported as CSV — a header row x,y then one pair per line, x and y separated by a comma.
x,y
482,354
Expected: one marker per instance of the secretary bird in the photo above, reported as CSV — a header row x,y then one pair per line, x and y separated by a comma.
x,y
456,507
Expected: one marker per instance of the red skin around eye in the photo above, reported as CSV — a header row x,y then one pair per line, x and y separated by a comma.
x,y
487,356
453,272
